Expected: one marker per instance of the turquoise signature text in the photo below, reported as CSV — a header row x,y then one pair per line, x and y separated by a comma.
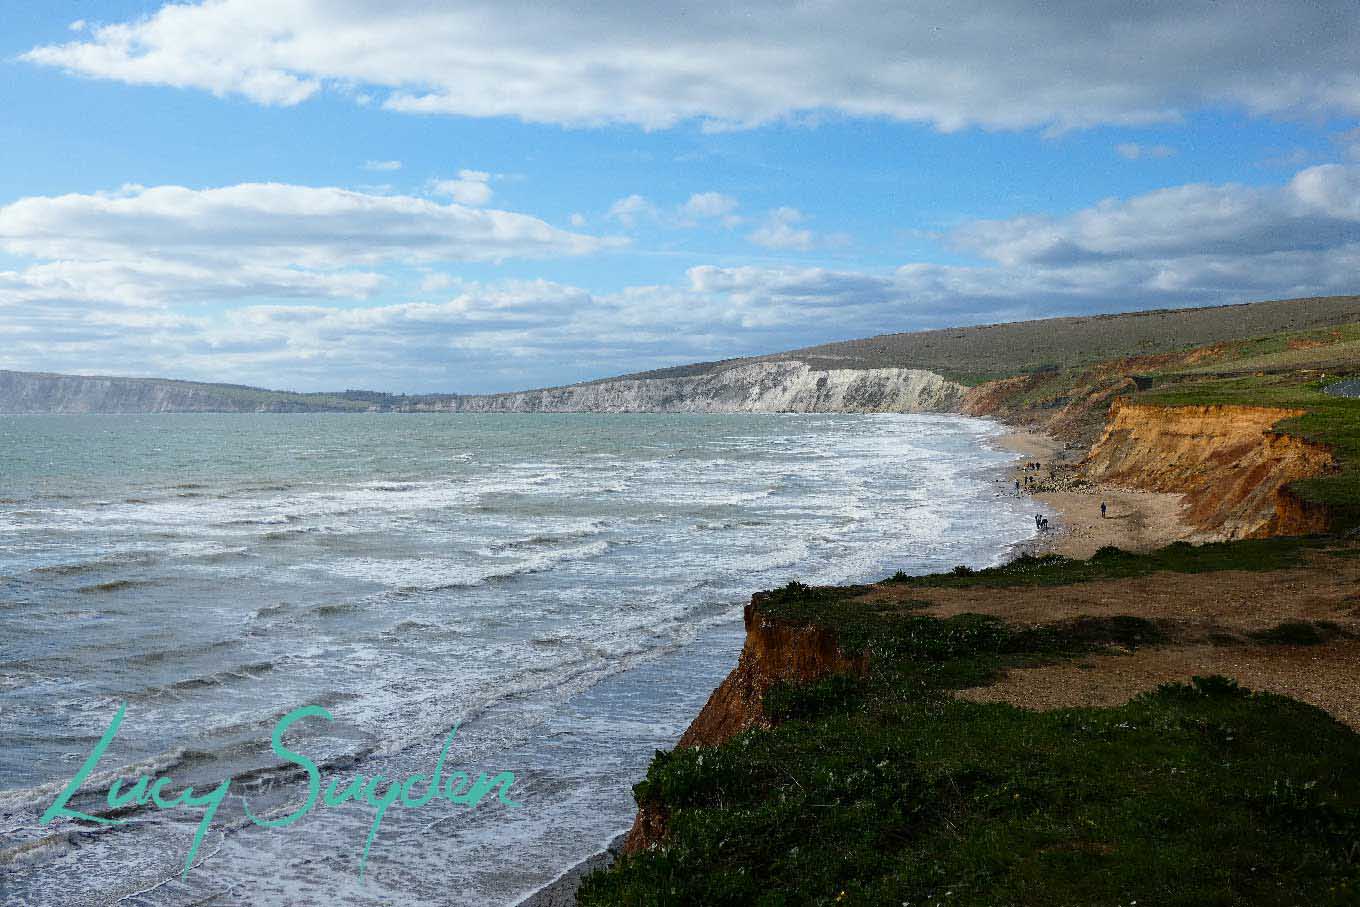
x,y
378,792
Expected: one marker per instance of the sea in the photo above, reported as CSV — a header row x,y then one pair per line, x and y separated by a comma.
x,y
564,590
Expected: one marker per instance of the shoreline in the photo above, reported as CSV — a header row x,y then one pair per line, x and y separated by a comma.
x,y
1136,521
561,891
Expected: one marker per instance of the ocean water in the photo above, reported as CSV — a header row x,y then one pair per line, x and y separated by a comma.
x,y
566,589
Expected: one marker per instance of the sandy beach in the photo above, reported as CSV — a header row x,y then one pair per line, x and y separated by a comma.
x,y
1133,520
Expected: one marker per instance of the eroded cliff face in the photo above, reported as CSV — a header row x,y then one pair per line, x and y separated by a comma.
x,y
758,387
1230,464
772,652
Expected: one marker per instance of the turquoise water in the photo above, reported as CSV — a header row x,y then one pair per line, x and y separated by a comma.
x,y
568,587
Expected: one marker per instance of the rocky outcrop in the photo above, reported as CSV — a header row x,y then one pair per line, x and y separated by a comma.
x,y
757,387
773,652
1232,467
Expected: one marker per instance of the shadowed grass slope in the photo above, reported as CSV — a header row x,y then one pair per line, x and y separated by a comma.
x,y
885,789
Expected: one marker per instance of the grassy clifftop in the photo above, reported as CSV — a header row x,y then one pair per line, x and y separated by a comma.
x,y
1287,369
976,354
1054,731
891,788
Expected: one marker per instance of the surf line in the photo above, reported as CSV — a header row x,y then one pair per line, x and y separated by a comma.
x,y
458,788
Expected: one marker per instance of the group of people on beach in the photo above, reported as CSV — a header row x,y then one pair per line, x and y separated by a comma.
x,y
1028,480
1041,521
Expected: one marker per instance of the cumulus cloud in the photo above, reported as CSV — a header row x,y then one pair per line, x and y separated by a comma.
x,y
951,63
472,187
630,209
1132,151
301,225
781,231
710,206
699,208
1318,209
1185,245
258,239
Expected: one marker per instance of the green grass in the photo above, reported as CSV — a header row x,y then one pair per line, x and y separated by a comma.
x,y
1300,633
1332,347
1194,795
884,789
972,355
1112,563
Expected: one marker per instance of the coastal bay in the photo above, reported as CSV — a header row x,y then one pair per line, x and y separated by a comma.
x,y
1216,590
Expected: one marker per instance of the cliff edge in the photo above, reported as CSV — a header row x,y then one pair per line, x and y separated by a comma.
x,y
1231,465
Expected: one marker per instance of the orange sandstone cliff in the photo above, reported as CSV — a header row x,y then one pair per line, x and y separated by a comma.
x,y
1230,464
773,652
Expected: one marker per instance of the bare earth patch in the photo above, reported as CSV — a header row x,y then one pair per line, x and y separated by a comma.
x,y
1212,623
1327,676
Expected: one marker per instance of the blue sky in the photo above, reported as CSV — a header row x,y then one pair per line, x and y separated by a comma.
x,y
473,197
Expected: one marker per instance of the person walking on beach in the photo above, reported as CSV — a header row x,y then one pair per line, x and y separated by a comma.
x,y
1102,510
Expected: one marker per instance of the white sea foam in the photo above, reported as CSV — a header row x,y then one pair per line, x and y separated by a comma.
x,y
496,576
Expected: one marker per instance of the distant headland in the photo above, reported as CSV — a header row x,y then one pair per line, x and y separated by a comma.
x,y
927,371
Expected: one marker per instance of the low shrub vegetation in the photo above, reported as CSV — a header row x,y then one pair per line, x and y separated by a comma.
x,y
887,789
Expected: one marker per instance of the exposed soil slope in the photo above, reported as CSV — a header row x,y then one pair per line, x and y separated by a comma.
x,y
1233,469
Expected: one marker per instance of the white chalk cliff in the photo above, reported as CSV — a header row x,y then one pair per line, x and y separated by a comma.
x,y
756,387
760,386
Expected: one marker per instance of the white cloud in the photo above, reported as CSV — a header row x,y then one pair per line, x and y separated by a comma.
x,y
577,220
1184,245
710,205
435,281
1319,208
630,209
167,244
1133,151
382,166
290,225
780,231
470,188
951,63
